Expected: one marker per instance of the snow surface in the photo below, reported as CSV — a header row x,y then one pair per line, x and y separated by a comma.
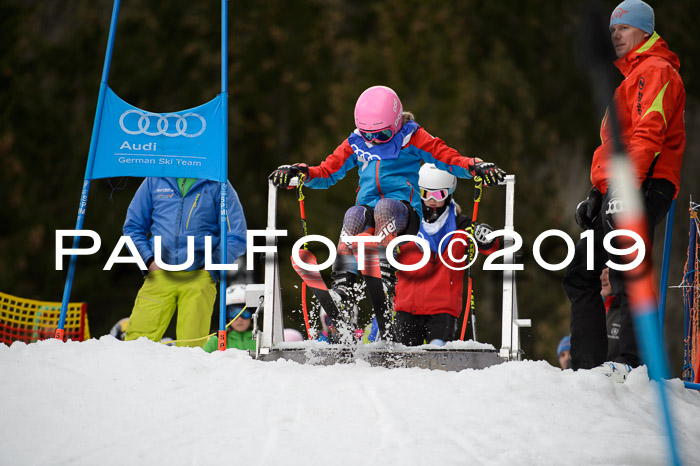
x,y
107,402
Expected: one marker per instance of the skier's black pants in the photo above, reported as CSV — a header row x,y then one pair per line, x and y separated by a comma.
x,y
414,330
588,330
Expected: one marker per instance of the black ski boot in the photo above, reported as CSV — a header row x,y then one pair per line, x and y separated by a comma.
x,y
389,281
386,321
343,293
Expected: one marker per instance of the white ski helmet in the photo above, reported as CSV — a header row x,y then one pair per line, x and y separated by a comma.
x,y
432,178
235,294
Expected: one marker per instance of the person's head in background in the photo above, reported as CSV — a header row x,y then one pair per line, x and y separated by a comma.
x,y
436,189
564,352
291,334
235,302
630,23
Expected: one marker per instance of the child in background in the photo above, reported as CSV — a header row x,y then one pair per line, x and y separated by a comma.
x,y
429,300
239,334
564,352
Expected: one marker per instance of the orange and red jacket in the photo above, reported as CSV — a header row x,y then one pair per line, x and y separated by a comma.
x,y
650,105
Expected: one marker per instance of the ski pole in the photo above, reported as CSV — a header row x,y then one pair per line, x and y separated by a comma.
x,y
593,39
478,190
473,324
305,232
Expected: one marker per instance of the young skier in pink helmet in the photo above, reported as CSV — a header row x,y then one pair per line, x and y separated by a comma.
x,y
387,147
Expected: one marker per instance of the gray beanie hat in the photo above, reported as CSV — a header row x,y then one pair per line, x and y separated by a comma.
x,y
634,13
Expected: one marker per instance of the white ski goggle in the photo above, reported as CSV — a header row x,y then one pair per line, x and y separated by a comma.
x,y
438,194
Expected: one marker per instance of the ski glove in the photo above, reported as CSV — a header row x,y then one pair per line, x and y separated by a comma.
x,y
484,245
587,210
284,174
489,172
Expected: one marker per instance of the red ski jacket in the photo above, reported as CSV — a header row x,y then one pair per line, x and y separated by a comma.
x,y
434,288
650,104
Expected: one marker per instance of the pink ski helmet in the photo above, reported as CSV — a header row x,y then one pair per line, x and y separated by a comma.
x,y
378,114
291,334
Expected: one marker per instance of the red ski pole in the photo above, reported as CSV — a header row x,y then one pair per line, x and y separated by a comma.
x,y
305,232
478,189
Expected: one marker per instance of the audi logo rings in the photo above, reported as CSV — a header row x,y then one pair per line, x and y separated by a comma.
x,y
162,124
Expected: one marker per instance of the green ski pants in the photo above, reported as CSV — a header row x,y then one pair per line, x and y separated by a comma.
x,y
192,293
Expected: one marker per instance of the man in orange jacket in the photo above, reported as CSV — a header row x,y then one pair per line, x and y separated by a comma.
x,y
649,104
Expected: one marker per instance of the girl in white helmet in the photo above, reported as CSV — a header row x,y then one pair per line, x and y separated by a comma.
x,y
429,300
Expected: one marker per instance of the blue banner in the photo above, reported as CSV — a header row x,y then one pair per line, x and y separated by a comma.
x,y
135,142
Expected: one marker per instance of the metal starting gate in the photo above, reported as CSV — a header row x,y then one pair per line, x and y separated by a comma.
x,y
270,346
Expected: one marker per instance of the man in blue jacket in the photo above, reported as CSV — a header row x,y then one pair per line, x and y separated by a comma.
x,y
175,209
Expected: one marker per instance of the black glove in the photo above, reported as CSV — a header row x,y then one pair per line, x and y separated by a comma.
x,y
283,175
489,172
480,232
587,210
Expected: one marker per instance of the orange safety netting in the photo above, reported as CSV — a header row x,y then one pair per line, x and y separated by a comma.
x,y
691,301
29,320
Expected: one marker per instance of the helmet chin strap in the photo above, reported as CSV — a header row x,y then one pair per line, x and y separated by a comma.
x,y
430,214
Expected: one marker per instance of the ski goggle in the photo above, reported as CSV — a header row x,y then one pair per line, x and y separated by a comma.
x,y
438,194
233,311
377,136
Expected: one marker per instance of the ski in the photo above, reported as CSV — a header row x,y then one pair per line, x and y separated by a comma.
x,y
373,280
315,282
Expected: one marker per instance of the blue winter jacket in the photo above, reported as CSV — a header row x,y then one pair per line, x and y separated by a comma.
x,y
158,209
389,170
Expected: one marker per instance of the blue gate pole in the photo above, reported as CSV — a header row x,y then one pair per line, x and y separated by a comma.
x,y
663,286
224,173
88,170
645,324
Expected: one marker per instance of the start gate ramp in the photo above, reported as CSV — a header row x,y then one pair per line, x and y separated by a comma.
x,y
454,356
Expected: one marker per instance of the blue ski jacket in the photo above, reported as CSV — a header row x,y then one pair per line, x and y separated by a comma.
x,y
390,170
158,209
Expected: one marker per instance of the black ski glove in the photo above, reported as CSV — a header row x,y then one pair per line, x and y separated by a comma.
x,y
587,210
489,172
284,174
480,232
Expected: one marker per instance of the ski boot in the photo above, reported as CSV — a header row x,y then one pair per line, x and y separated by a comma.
x,y
343,294
385,320
388,281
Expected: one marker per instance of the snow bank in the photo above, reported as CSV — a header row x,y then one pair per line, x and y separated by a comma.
x,y
111,402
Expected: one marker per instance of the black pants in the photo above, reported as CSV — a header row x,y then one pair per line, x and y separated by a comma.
x,y
589,342
612,322
415,330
